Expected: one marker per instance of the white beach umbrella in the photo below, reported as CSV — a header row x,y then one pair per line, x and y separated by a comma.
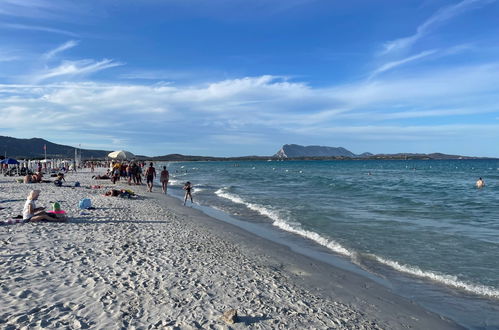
x,y
121,154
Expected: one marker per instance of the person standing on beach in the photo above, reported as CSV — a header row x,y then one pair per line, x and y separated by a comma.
x,y
150,175
164,177
115,173
139,175
188,191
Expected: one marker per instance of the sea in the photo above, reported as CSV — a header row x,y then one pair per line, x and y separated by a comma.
x,y
420,227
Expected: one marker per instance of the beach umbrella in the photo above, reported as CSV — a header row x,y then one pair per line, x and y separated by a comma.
x,y
10,161
121,154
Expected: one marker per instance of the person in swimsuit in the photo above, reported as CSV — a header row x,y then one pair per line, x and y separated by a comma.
x,y
164,177
150,175
188,191
480,183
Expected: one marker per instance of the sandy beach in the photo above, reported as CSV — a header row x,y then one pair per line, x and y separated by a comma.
x,y
151,263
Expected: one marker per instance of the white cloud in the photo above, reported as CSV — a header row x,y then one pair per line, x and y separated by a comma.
x,y
258,108
440,17
8,57
75,68
36,28
65,46
39,9
431,133
390,65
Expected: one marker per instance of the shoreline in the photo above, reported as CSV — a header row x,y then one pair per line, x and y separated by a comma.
x,y
152,261
473,311
343,282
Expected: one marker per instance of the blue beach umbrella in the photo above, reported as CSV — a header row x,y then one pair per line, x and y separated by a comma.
x,y
9,161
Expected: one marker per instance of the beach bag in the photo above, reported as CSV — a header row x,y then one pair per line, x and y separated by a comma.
x,y
85,203
56,207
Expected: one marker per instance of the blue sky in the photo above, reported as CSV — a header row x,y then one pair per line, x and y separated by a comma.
x,y
237,77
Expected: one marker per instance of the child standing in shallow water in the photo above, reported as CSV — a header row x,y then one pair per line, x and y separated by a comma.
x,y
188,191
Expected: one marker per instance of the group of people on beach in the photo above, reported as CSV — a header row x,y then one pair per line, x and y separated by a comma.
x,y
34,178
164,178
133,171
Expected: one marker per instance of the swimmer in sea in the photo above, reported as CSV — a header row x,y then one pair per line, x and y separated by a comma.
x,y
480,183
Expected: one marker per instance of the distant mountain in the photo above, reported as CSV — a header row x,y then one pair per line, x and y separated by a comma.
x,y
408,156
33,148
294,151
297,151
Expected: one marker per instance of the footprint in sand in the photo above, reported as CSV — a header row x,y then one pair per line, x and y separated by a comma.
x,y
25,294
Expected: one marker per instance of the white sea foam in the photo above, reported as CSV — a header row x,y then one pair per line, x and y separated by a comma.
x,y
174,182
284,225
449,280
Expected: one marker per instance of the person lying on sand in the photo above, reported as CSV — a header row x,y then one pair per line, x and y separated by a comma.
x,y
101,177
120,193
33,213
37,177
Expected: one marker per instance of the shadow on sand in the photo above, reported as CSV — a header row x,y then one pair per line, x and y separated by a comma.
x,y
97,220
249,320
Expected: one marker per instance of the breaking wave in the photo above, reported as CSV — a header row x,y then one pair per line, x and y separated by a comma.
x,y
449,280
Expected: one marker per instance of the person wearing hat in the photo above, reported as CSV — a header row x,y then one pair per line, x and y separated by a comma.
x,y
33,213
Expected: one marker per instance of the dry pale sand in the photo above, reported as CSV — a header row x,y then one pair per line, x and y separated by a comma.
x,y
151,263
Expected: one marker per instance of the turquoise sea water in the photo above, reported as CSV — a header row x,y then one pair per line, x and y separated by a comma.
x,y
421,218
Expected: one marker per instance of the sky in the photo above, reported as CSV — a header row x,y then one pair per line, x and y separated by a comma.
x,y
238,77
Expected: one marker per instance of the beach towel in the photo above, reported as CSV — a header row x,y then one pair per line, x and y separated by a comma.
x,y
59,215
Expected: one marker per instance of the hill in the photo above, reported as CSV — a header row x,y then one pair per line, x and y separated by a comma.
x,y
294,151
34,148
297,151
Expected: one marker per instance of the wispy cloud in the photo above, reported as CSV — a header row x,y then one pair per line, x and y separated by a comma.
x,y
394,64
260,108
7,57
65,46
440,17
36,28
75,68
38,9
